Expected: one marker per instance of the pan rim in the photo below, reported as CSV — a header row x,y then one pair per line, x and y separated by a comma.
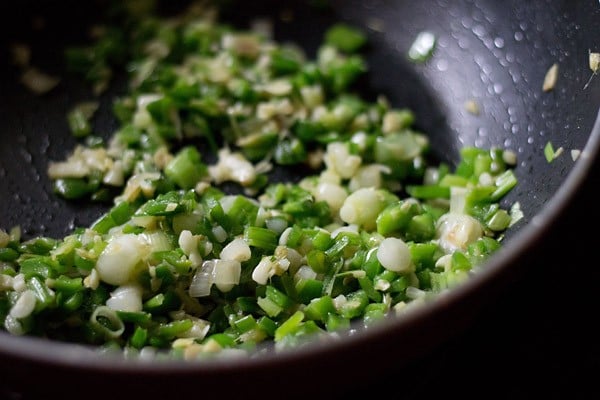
x,y
37,350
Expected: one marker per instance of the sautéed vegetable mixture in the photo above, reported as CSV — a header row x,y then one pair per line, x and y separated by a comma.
x,y
202,250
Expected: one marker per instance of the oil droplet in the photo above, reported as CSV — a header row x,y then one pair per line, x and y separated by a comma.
x,y
442,65
479,30
463,43
518,36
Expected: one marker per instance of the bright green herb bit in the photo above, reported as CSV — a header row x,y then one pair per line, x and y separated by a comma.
x,y
346,38
422,47
550,153
79,118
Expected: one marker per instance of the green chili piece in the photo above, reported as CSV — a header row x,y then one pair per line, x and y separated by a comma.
x,y
396,216
271,308
499,221
139,337
43,267
222,339
336,322
285,61
40,245
308,289
354,305
46,298
81,261
366,284
79,117
505,182
72,302
318,261
374,313
68,285
261,238
290,326
139,318
174,328
162,302
267,325
72,188
290,152
320,308
245,323
428,192
460,262
420,228
163,204
7,254
186,169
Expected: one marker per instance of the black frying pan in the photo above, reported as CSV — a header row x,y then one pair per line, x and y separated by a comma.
x,y
496,52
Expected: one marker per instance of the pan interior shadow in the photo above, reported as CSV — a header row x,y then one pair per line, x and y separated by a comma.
x,y
35,130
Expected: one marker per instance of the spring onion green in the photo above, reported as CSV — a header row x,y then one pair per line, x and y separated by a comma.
x,y
180,265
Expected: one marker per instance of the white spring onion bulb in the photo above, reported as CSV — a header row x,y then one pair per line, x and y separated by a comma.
x,y
237,250
305,272
4,238
312,96
277,225
334,195
415,293
6,282
158,240
203,279
115,176
339,159
457,199
295,259
189,244
457,231
118,262
126,298
24,306
232,166
394,255
346,228
362,208
285,235
13,325
227,274
116,328
267,267
367,176
220,233
198,330
19,284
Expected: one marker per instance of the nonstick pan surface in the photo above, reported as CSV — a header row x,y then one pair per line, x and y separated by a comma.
x,y
496,53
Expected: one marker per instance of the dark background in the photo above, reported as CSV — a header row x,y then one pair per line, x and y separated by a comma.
x,y
537,337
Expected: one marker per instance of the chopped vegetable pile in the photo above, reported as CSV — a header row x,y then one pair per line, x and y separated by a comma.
x,y
179,265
